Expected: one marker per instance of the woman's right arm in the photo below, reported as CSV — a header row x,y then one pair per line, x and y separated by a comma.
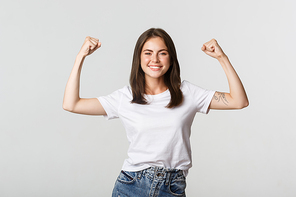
x,y
72,102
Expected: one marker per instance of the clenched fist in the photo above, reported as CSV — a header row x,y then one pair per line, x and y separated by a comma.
x,y
89,46
213,49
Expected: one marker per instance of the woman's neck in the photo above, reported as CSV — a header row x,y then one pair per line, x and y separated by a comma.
x,y
155,86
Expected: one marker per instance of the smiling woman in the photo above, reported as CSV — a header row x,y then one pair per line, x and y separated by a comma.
x,y
156,53
155,62
156,57
157,111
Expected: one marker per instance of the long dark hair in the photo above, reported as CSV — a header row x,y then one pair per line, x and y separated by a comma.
x,y
171,78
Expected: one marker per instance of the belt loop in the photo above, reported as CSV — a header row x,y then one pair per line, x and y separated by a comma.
x,y
140,174
167,180
155,171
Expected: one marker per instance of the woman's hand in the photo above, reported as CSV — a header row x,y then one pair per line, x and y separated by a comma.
x,y
213,49
89,46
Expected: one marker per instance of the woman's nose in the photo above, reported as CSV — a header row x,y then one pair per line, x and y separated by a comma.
x,y
154,58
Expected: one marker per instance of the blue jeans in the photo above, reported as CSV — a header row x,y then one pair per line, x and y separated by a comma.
x,y
151,182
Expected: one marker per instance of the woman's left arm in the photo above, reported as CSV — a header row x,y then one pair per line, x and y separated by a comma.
x,y
237,97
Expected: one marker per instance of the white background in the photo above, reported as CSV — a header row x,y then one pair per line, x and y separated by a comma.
x,y
48,152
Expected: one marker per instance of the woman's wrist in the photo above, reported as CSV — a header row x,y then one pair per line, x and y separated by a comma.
x,y
222,58
79,61
224,62
80,56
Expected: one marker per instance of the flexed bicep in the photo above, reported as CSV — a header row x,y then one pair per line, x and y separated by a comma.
x,y
237,97
88,106
222,100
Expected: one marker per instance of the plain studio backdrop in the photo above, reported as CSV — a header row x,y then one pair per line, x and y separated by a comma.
x,y
48,152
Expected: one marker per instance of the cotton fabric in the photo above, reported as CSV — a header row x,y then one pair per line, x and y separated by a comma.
x,y
158,136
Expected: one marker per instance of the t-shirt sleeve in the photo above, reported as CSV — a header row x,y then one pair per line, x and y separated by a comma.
x,y
111,104
201,97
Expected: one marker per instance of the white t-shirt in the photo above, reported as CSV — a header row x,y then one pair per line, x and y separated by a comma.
x,y
158,136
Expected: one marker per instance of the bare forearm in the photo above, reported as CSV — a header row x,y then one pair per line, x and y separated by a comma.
x,y
71,95
236,88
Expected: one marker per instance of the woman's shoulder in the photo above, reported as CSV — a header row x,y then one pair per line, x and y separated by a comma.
x,y
187,84
190,87
125,90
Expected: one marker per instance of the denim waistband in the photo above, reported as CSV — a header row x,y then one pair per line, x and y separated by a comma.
x,y
160,173
156,169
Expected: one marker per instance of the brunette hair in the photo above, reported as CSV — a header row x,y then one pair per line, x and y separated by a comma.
x,y
171,78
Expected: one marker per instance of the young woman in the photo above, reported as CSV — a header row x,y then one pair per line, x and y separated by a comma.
x,y
157,111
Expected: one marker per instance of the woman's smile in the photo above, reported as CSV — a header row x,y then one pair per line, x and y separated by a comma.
x,y
155,59
154,67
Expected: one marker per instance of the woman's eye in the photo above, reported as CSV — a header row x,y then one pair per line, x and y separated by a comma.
x,y
163,54
147,53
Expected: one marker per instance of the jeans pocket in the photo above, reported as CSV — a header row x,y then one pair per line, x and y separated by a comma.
x,y
127,177
177,186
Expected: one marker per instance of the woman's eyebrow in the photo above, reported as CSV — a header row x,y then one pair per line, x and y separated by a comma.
x,y
152,50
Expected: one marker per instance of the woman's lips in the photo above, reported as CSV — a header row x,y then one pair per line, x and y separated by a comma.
x,y
154,67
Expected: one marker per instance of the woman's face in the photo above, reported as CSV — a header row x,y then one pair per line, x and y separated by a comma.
x,y
155,59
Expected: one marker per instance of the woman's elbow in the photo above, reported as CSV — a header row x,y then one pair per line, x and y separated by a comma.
x,y
67,107
246,104
243,105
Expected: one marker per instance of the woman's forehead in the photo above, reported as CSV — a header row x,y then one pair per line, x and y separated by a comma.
x,y
155,43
